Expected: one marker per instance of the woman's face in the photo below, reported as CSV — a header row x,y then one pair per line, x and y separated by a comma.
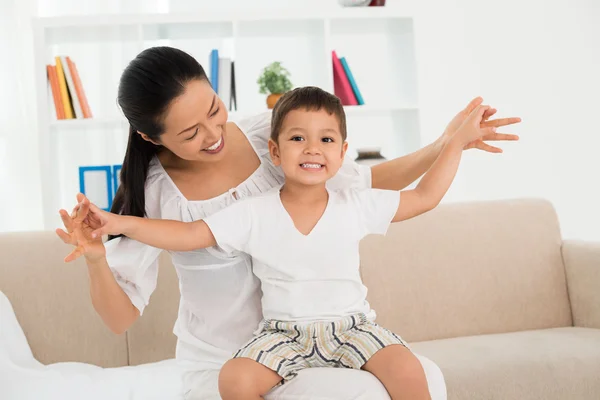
x,y
195,124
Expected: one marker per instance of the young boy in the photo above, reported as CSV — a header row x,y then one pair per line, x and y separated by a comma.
x,y
304,240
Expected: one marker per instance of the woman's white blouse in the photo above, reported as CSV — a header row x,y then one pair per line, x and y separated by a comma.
x,y
220,296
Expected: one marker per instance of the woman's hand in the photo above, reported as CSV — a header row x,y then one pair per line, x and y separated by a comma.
x,y
480,144
79,228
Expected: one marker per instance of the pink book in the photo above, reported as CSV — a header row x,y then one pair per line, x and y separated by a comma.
x,y
341,85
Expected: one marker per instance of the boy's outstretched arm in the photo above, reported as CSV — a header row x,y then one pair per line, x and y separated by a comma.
x,y
436,182
160,233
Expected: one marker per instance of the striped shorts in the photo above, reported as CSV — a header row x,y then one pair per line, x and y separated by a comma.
x,y
288,347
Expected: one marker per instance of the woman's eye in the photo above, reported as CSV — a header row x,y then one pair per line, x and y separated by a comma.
x,y
328,140
194,135
215,113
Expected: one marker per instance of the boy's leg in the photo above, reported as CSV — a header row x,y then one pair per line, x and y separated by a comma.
x,y
400,372
368,346
244,378
262,363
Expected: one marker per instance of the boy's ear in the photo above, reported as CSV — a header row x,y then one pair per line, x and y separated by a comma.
x,y
344,149
147,138
274,151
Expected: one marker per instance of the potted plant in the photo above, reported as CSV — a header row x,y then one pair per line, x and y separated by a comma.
x,y
274,80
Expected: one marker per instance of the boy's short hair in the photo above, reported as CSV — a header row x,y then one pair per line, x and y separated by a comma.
x,y
309,98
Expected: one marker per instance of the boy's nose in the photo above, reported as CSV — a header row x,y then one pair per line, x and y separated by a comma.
x,y
313,147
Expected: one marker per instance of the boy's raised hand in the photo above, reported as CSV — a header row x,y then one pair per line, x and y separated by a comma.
x,y
471,129
486,122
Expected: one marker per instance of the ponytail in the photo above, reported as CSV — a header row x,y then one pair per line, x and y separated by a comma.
x,y
130,198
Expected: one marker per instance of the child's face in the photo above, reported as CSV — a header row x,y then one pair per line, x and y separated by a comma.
x,y
310,148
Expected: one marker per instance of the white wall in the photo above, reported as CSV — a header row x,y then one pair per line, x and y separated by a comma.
x,y
535,59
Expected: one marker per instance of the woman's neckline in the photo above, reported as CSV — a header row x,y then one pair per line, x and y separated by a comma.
x,y
172,183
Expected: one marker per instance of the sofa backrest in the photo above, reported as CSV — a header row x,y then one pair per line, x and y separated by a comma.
x,y
462,269
469,269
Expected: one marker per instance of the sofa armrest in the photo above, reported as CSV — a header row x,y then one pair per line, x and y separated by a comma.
x,y
582,265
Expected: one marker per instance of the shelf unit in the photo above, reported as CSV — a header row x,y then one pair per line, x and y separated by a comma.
x,y
378,43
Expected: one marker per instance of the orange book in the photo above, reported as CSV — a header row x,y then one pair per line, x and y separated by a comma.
x,y
85,107
53,78
64,92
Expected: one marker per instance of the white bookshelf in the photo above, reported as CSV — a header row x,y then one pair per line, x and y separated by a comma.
x,y
378,43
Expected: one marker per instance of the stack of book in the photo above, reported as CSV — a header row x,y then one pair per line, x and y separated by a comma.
x,y
222,78
344,84
68,95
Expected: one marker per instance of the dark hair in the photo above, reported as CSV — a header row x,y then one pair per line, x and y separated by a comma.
x,y
147,87
309,98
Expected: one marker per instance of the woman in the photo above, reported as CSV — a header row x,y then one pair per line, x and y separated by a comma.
x,y
184,161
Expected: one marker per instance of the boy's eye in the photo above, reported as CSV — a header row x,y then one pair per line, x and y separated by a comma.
x,y
297,138
328,140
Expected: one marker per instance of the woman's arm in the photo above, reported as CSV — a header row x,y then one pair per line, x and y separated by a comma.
x,y
397,174
108,298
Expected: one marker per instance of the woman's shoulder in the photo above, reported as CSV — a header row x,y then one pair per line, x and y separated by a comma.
x,y
160,192
254,123
257,128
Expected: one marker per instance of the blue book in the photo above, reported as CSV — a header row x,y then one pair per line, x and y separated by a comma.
x,y
359,97
214,70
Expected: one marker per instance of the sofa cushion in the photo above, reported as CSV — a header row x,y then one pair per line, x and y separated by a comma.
x,y
559,363
469,269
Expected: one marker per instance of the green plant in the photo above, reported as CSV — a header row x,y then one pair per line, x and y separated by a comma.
x,y
274,79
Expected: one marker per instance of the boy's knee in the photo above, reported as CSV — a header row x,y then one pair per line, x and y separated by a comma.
x,y
243,377
235,378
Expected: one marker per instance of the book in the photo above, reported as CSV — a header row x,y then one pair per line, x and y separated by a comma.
x,y
233,102
341,85
214,70
85,107
224,84
55,89
64,92
71,87
353,84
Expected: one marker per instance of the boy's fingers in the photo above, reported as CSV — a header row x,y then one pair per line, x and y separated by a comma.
x,y
501,122
473,104
488,114
98,233
501,136
83,211
488,148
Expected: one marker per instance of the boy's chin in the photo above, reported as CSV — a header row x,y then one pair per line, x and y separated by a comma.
x,y
308,180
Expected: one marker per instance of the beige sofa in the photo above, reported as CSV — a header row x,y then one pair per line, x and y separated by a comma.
x,y
489,291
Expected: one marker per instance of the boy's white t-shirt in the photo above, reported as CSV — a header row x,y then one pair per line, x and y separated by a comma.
x,y
307,277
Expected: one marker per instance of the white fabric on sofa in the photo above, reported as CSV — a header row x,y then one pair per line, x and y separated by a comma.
x,y
22,377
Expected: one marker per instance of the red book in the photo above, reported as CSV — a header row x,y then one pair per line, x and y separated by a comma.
x,y
85,107
341,84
